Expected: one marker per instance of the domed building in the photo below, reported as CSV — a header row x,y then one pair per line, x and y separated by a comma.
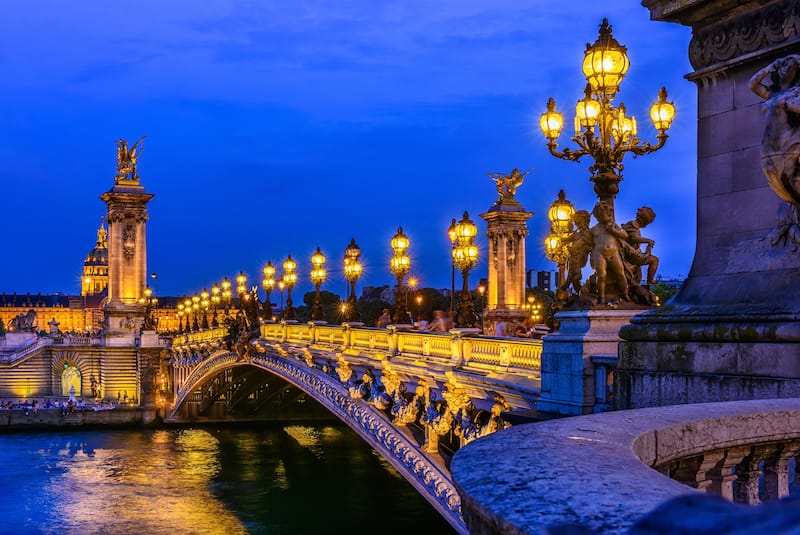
x,y
95,267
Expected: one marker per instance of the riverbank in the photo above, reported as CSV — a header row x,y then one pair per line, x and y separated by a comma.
x,y
53,418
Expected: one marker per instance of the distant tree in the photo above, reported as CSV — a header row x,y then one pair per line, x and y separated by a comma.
x,y
662,292
370,309
330,305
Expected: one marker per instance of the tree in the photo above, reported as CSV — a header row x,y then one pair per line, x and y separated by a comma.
x,y
662,292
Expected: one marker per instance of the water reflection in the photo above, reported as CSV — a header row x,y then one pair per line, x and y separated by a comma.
x,y
298,479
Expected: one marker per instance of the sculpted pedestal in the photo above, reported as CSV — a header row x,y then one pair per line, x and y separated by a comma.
x,y
733,330
569,356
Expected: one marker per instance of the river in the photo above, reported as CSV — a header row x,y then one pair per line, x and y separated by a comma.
x,y
278,479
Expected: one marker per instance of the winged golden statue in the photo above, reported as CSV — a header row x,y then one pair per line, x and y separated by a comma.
x,y
507,184
127,159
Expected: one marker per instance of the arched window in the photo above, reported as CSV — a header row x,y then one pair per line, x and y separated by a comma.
x,y
70,378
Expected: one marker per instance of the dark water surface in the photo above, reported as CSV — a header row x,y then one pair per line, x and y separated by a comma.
x,y
292,479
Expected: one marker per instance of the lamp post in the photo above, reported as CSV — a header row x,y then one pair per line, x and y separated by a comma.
x,y
226,294
418,299
196,309
400,264
215,299
204,304
241,284
603,131
560,216
451,233
482,292
412,287
281,287
465,257
352,272
180,317
268,283
187,309
289,279
149,301
317,278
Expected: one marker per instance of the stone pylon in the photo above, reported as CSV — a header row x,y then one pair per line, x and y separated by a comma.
x,y
732,331
507,227
127,255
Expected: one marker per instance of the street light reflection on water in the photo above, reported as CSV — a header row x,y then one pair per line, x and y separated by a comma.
x,y
292,479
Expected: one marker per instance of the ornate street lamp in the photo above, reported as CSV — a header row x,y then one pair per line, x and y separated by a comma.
x,y
149,302
226,294
241,284
281,287
560,216
482,292
187,309
180,317
268,283
352,272
196,310
204,304
399,267
465,257
603,131
215,299
451,233
317,278
289,279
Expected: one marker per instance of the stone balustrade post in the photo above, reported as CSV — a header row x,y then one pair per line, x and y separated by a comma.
x,y
393,334
723,474
693,472
457,344
748,474
776,471
284,331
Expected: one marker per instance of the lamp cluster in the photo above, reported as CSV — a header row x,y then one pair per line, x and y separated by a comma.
x,y
318,274
602,130
399,267
352,272
560,216
465,257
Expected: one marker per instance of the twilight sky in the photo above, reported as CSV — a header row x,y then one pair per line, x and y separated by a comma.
x,y
275,127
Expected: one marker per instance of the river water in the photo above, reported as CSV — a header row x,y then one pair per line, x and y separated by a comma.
x,y
289,479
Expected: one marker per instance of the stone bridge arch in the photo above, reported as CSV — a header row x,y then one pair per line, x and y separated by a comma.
x,y
426,476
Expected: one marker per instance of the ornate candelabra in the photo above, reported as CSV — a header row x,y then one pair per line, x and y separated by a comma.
x,y
226,294
555,248
399,267
352,272
268,283
317,278
215,300
205,302
196,309
289,279
465,257
603,131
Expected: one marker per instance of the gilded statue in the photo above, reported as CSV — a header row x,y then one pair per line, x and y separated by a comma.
x,y
507,184
127,159
634,256
579,244
606,256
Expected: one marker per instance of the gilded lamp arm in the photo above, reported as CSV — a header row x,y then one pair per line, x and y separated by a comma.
x,y
566,154
646,147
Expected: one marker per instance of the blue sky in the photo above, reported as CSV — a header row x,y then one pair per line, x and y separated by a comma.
x,y
276,127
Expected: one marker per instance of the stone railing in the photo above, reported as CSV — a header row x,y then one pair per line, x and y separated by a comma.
x,y
208,335
597,471
462,347
25,351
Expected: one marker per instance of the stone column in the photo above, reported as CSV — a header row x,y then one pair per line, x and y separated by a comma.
x,y
723,474
731,332
127,256
776,471
507,227
748,473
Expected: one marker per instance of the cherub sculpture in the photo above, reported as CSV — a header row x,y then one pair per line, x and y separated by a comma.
x,y
507,184
606,255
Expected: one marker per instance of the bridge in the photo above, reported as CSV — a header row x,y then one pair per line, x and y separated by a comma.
x,y
415,397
